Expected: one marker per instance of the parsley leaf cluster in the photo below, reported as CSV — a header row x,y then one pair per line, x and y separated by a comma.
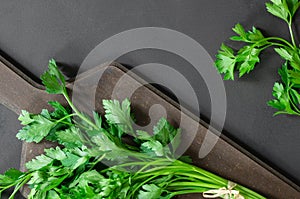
x,y
286,93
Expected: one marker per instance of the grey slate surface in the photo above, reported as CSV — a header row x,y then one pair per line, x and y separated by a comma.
x,y
10,147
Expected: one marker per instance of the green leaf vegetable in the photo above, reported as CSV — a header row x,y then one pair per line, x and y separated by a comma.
x,y
145,168
286,94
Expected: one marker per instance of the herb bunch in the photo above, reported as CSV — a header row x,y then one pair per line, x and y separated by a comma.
x,y
145,168
286,93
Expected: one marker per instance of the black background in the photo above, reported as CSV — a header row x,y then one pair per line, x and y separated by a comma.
x,y
32,32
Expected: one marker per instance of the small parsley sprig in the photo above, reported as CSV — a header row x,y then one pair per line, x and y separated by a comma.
x,y
286,94
145,168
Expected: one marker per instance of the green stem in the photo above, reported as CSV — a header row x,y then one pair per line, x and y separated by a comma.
x,y
195,184
97,161
183,171
141,184
152,164
204,172
294,105
198,190
19,185
274,38
291,33
84,118
58,121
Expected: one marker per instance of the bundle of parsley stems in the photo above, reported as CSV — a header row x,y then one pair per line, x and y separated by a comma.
x,y
92,160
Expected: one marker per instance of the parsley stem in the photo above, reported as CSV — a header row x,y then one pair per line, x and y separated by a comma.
x,y
292,34
195,184
67,116
294,105
19,185
97,161
274,38
198,190
84,118
141,184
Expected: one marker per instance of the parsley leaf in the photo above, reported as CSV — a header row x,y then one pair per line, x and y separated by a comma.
x,y
71,137
119,114
60,111
150,191
53,79
245,59
286,98
39,162
25,118
38,128
164,141
250,37
279,9
226,61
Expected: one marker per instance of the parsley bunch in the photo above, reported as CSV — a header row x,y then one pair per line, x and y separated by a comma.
x,y
144,167
286,94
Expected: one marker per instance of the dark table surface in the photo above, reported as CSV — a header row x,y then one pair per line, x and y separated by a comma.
x,y
32,32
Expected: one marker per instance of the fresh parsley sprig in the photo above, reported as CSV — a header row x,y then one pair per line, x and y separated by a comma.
x,y
287,97
145,168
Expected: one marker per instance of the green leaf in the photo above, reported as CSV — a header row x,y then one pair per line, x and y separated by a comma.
x,y
111,150
284,9
87,177
225,62
25,118
70,138
278,90
295,96
55,153
278,9
53,79
295,61
52,195
247,58
254,36
118,114
5,181
284,53
97,119
10,177
276,104
13,173
36,130
294,76
164,140
164,132
143,135
281,101
292,6
59,111
71,160
153,146
283,72
175,142
39,162
36,178
239,29
150,191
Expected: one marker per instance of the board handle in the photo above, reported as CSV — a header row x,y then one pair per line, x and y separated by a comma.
x,y
18,92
